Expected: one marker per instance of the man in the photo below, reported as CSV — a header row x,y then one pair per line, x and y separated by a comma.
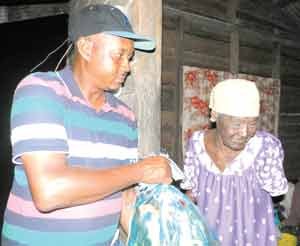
x,y
74,143
233,170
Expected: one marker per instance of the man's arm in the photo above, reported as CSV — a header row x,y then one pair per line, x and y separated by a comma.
x,y
54,184
128,201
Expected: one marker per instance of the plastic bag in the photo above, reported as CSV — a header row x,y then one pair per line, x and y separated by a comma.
x,y
164,216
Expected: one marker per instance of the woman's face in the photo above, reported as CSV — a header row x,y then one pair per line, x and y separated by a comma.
x,y
235,132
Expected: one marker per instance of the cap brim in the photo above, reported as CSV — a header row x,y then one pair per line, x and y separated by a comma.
x,y
140,42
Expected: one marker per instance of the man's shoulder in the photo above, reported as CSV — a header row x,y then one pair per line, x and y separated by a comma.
x,y
40,78
47,81
46,76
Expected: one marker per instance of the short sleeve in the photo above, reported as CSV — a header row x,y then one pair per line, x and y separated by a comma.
x,y
191,168
37,117
269,167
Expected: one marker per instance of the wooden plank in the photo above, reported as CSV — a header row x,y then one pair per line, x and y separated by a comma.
x,y
169,39
170,65
265,13
168,131
276,54
147,18
212,8
234,52
3,14
290,80
168,77
285,3
31,2
263,70
204,22
276,75
206,46
179,86
290,65
289,131
168,51
169,20
290,99
206,61
27,12
291,52
292,155
253,33
256,56
234,36
255,40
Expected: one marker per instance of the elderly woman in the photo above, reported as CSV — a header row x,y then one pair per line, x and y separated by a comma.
x,y
233,170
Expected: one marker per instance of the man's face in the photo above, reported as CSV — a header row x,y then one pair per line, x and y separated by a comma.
x,y
235,132
110,60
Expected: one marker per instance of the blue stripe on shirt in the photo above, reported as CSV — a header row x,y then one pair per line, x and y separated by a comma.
x,y
36,238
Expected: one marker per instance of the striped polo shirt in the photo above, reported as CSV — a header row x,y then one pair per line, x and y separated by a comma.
x,y
49,113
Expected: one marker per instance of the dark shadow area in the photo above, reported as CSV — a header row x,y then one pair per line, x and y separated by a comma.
x,y
24,45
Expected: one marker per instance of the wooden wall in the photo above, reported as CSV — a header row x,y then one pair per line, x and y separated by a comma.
x,y
229,35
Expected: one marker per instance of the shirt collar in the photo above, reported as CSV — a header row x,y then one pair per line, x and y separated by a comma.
x,y
67,75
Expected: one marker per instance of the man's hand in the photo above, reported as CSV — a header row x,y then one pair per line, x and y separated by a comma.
x,y
128,200
156,169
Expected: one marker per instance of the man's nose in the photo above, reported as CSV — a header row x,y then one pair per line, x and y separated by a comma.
x,y
126,66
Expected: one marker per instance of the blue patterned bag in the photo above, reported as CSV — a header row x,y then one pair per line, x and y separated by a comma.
x,y
164,216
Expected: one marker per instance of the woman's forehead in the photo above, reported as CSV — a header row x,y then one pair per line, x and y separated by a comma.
x,y
236,118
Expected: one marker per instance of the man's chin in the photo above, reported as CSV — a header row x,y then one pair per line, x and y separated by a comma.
x,y
114,89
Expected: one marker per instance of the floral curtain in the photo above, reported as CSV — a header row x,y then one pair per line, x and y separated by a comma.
x,y
197,84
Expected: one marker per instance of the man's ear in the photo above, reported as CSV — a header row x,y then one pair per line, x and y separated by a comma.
x,y
84,47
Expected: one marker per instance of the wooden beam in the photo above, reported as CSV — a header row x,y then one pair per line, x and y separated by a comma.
x,y
30,2
284,3
267,21
276,75
3,14
206,22
234,37
276,60
234,51
179,86
27,12
146,19
216,26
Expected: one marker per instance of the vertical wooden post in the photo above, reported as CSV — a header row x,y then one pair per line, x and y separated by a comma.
x,y
276,66
146,72
179,87
234,37
3,14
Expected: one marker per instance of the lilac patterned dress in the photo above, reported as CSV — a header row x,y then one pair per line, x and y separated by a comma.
x,y
237,202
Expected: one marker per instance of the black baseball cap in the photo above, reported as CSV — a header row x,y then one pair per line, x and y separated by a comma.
x,y
102,18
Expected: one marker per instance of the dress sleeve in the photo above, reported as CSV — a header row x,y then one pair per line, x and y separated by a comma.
x,y
37,117
269,167
191,169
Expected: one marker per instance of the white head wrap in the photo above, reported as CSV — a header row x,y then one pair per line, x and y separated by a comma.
x,y
235,97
